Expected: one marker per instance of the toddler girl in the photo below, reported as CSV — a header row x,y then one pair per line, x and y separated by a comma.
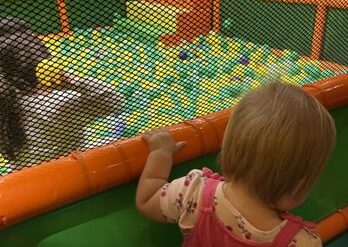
x,y
276,144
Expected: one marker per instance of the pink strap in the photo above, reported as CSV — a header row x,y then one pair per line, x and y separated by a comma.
x,y
209,189
289,231
286,234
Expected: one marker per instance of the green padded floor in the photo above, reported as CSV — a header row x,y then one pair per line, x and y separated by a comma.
x,y
110,219
340,241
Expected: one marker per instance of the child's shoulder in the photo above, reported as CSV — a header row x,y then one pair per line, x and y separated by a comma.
x,y
182,196
196,178
306,238
193,180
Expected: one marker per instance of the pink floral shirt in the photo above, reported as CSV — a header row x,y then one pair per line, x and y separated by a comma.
x,y
180,204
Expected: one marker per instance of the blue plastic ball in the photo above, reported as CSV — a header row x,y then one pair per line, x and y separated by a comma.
x,y
184,55
244,60
119,128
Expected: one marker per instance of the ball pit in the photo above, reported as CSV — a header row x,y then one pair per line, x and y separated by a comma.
x,y
165,85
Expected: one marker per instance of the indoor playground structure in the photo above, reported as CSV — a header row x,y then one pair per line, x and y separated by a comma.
x,y
180,64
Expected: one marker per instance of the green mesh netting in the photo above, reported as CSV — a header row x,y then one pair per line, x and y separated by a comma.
x,y
77,74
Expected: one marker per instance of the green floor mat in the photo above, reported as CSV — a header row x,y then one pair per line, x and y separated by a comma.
x,y
340,241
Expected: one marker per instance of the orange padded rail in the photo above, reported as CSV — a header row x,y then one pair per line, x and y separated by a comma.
x,y
333,225
332,92
39,189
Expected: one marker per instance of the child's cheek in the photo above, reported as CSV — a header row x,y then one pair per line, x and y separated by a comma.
x,y
289,202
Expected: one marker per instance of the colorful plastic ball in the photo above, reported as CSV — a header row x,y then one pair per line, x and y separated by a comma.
x,y
244,60
118,128
184,55
294,70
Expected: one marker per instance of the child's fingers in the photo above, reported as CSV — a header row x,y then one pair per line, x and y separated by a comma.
x,y
163,129
146,136
157,131
149,134
180,145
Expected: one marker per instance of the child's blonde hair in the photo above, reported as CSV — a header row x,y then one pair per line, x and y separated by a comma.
x,y
278,138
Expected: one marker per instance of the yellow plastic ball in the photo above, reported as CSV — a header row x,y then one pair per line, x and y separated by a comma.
x,y
133,118
234,46
286,53
167,102
239,70
250,45
48,71
101,126
185,101
83,54
206,84
255,57
115,83
255,85
112,46
3,160
176,88
262,70
147,85
202,100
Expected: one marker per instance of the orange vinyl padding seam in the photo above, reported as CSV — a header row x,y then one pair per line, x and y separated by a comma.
x,y
42,188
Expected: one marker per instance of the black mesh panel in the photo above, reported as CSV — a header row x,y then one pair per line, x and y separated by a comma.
x,y
78,74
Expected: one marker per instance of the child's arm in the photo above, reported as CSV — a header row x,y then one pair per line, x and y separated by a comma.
x,y
156,172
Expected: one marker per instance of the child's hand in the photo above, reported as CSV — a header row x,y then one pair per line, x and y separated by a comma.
x,y
160,139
